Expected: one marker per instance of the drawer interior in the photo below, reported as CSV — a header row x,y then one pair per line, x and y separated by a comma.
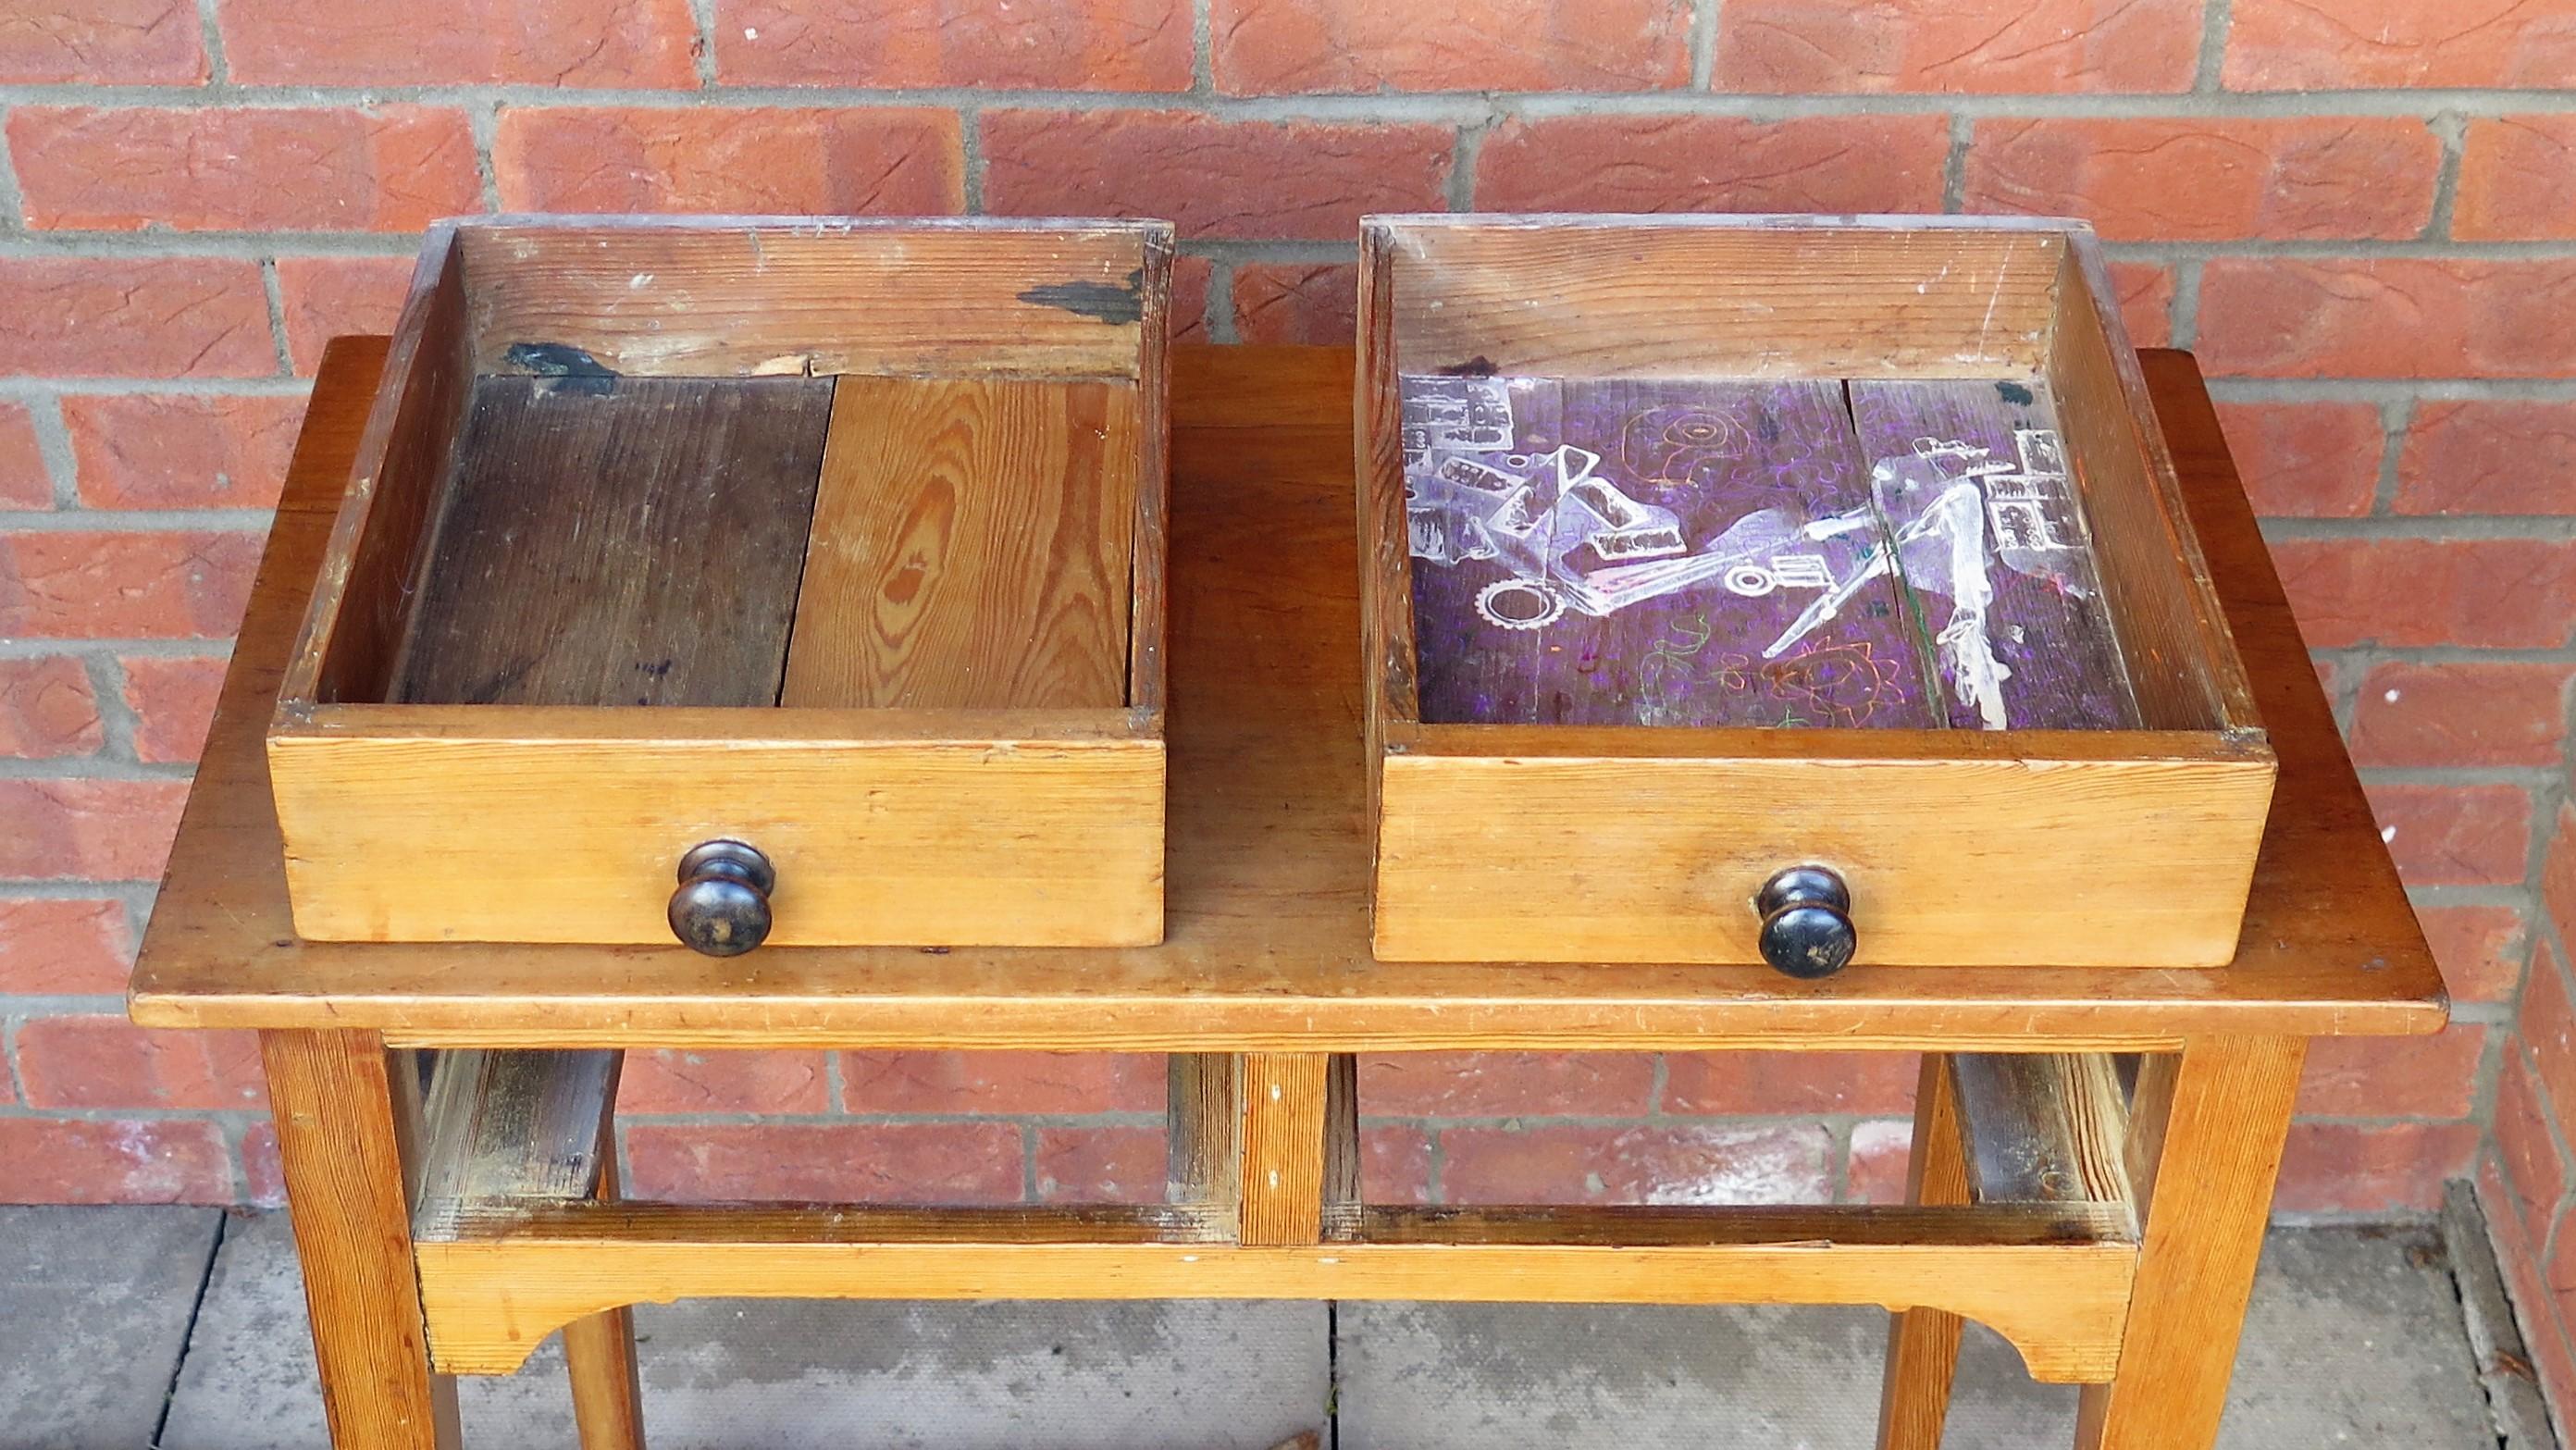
x,y
1716,472
761,464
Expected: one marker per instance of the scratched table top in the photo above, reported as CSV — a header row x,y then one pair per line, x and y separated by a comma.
x,y
1267,868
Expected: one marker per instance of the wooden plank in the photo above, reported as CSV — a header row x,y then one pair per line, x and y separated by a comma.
x,y
1659,859
340,1147
1268,946
1923,1342
2211,1124
971,546
494,1293
1722,296
1283,1147
571,839
507,1126
2042,1127
599,1349
817,296
618,541
1971,476
1204,1134
1617,552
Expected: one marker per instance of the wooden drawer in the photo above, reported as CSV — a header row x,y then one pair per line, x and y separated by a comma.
x,y
1698,551
839,540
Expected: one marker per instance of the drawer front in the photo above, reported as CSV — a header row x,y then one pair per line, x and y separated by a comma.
x,y
1054,844
1952,862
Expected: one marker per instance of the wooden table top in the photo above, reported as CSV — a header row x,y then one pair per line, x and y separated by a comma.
x,y
1267,867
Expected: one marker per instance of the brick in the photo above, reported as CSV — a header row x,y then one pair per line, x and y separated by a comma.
x,y
2394,1077
1276,47
2371,1168
102,42
778,160
1395,1164
47,709
675,1080
2461,714
181,450
1564,1163
25,481
1105,45
2560,1271
79,585
2558,875
954,1163
2518,1254
96,830
2517,180
1717,1083
1100,1165
2483,593
2489,458
1292,303
2455,835
2146,295
2306,460
2299,45
1209,176
1002,1082
134,317
2480,949
263,1176
1882,1152
390,168
1714,163
173,700
638,43
2395,317
115,1161
2212,179
2535,1174
1191,278
2548,1027
327,297
64,947
108,1062
1788,46
1505,1084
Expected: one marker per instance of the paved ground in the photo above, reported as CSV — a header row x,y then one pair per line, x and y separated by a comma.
x,y
129,1327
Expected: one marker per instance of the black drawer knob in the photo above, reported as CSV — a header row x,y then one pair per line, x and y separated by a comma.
x,y
722,906
1806,922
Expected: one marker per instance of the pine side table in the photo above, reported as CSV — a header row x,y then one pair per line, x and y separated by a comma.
x,y
2102,1212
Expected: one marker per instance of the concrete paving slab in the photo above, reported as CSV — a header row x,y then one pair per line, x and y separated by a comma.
x,y
2354,1338
752,1374
94,1306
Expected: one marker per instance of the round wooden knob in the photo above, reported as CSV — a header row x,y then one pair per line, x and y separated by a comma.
x,y
1806,922
722,906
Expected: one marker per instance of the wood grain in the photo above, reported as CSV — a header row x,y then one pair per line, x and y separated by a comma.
x,y
2212,1125
511,1126
971,547
629,543
2042,1127
1268,944
1923,1343
1204,1135
502,1285
1284,1097
599,1349
340,1147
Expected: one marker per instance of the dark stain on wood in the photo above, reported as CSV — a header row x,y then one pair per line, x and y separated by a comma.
x,y
1116,305
635,542
581,372
1479,366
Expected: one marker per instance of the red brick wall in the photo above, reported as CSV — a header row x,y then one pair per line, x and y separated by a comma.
x,y
2363,217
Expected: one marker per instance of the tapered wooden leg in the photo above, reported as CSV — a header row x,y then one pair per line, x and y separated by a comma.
x,y
2205,1136
1923,1344
599,1352
344,1118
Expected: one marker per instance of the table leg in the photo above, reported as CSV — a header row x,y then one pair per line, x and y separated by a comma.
x,y
1923,1344
345,1119
2209,1121
599,1351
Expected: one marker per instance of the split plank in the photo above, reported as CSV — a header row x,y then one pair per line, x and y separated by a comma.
x,y
971,546
616,541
